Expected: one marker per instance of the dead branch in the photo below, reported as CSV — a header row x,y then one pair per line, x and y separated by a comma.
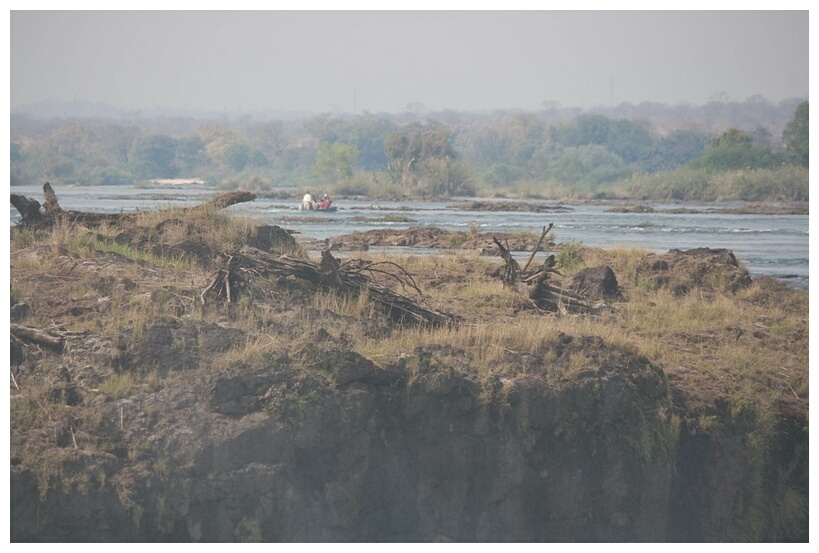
x,y
534,285
36,216
354,276
228,199
51,204
37,336
537,248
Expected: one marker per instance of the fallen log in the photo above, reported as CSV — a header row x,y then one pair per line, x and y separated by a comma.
x,y
353,276
38,337
34,215
534,284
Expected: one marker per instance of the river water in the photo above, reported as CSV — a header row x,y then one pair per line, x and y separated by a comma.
x,y
775,245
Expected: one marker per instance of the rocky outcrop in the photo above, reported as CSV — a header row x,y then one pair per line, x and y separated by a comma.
x,y
681,271
413,451
434,238
596,283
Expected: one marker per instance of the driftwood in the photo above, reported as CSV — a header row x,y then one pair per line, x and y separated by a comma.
x,y
36,216
38,337
534,284
353,276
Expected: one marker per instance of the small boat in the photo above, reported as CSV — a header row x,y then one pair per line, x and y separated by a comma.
x,y
331,209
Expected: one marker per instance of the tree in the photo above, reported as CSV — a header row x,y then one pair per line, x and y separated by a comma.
x,y
367,133
119,140
336,160
154,156
237,155
269,137
190,154
217,139
406,151
589,164
735,149
675,150
796,137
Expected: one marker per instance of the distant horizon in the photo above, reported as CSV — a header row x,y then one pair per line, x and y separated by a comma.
x,y
65,106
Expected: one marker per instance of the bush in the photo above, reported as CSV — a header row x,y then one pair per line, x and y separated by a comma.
x,y
109,176
784,183
371,185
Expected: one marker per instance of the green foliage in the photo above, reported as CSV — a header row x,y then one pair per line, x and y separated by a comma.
x,y
64,169
784,183
587,165
406,151
117,385
336,160
237,155
367,133
445,177
630,141
570,255
108,176
376,186
240,155
675,150
500,174
425,161
190,153
797,137
543,154
735,149
154,157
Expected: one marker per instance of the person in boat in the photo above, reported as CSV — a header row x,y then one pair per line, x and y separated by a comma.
x,y
325,203
307,202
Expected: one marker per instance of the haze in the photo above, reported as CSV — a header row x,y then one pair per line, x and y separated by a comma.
x,y
324,61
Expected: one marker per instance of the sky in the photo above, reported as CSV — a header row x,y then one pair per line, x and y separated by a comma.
x,y
385,61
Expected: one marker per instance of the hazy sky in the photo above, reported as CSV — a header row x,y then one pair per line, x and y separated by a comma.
x,y
382,61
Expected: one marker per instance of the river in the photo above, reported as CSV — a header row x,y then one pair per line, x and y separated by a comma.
x,y
775,245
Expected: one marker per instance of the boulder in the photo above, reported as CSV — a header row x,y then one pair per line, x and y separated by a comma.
x,y
596,283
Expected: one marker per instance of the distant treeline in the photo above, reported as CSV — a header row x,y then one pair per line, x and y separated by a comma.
x,y
642,151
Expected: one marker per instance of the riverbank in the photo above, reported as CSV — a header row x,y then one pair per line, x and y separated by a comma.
x,y
281,408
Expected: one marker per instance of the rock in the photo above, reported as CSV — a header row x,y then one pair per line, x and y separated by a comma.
x,y
239,394
189,249
596,283
171,345
272,239
681,271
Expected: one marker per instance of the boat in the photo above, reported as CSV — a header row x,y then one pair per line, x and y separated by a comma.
x,y
331,209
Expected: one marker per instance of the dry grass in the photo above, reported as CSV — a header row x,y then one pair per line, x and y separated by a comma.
x,y
749,349
751,345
